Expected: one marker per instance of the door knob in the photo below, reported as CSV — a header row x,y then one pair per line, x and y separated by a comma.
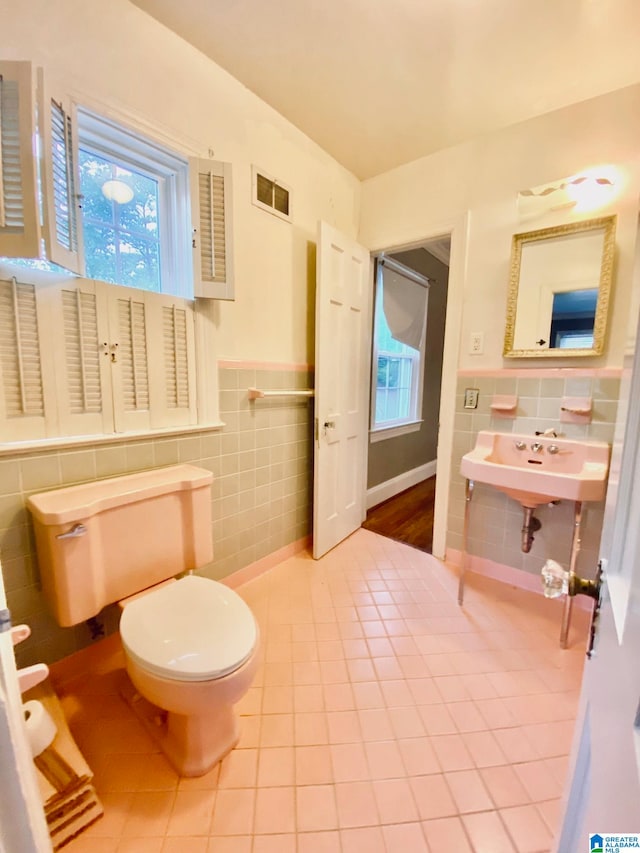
x,y
556,581
329,425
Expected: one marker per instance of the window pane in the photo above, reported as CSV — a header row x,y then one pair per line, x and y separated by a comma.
x,y
120,221
141,213
139,263
100,251
94,171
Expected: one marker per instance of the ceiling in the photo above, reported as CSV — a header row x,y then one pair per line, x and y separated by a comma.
x,y
378,83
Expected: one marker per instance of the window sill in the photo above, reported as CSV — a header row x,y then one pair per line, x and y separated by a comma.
x,y
15,448
383,433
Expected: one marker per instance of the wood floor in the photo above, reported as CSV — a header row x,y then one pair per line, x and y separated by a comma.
x,y
407,517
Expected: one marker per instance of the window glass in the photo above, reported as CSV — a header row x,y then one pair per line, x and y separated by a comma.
x,y
120,220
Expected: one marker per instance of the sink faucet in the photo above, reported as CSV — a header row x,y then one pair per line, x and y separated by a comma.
x,y
548,433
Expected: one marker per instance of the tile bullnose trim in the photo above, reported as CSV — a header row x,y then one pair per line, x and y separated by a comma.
x,y
543,372
249,364
254,570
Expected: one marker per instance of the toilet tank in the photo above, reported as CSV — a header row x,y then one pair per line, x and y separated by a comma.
x,y
102,541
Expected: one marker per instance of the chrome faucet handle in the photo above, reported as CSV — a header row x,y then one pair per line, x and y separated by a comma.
x,y
536,447
553,449
520,445
555,580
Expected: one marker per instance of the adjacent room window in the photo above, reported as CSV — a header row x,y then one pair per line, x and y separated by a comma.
x,y
399,336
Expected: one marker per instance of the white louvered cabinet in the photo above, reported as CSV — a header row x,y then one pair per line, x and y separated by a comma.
x,y
88,358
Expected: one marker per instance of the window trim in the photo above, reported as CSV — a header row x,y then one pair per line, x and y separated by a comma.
x,y
383,433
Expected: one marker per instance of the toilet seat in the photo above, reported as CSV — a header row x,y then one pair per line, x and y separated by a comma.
x,y
195,629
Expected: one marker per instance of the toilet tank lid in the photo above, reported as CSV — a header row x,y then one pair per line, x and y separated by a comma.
x,y
62,506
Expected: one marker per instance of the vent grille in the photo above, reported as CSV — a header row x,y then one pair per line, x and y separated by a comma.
x,y
272,195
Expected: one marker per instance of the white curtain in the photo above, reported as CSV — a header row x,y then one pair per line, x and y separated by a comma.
x,y
404,303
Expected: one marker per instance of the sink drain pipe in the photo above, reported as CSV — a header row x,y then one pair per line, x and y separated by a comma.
x,y
530,525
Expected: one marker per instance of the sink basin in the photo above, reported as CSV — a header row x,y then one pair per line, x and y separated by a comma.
x,y
560,469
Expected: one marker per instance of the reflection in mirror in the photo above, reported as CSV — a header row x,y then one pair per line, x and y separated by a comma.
x,y
559,290
572,319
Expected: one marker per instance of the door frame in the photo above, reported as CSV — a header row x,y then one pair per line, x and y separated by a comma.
x,y
457,228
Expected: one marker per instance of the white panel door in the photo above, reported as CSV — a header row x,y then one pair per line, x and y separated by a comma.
x,y
603,792
343,352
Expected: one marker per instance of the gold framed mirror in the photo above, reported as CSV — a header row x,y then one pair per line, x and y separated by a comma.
x,y
559,288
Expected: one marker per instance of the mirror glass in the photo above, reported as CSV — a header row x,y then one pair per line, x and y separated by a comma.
x,y
559,290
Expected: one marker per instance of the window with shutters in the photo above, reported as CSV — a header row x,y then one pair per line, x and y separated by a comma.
x,y
104,201
106,237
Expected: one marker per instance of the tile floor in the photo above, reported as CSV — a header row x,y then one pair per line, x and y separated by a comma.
x,y
383,718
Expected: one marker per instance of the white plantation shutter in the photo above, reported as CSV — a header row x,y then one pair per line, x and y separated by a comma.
x,y
63,220
132,355
172,361
22,399
73,339
82,351
211,221
129,358
19,211
176,365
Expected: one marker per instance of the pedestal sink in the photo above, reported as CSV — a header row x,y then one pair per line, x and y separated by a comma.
x,y
535,470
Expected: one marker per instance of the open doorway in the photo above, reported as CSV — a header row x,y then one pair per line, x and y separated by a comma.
x,y
406,382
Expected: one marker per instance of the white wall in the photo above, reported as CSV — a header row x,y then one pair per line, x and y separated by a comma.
x,y
119,61
483,177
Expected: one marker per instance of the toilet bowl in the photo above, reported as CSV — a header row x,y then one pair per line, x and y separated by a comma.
x,y
191,644
191,650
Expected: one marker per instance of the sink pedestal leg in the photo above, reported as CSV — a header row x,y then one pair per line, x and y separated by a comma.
x,y
468,494
575,550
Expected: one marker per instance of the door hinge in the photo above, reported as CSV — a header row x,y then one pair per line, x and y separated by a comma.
x,y
5,620
316,429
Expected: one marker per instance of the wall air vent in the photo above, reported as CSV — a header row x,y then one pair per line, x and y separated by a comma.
x,y
270,194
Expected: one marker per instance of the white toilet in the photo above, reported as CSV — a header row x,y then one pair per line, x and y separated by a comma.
x,y
190,644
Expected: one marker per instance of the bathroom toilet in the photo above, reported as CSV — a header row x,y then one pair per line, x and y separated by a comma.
x,y
190,644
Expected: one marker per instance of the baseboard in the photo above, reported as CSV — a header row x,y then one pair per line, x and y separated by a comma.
x,y
390,488
506,574
254,570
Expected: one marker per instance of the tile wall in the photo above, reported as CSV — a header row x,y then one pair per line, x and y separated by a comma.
x,y
495,520
261,494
